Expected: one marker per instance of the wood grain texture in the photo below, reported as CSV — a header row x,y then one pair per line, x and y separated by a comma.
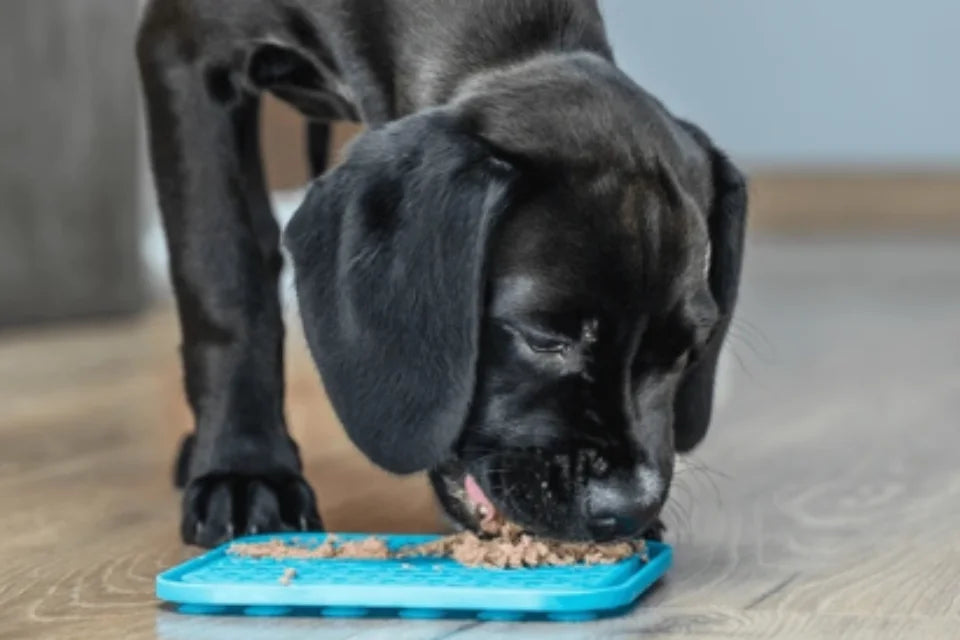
x,y
825,502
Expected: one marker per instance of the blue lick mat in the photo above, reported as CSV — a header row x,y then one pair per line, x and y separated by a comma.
x,y
422,587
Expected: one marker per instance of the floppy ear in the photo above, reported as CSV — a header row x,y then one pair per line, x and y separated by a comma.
x,y
726,223
389,251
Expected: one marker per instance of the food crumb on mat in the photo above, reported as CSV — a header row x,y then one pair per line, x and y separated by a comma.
x,y
288,575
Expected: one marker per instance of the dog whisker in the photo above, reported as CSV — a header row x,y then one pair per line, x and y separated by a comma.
x,y
704,476
753,330
692,462
746,341
676,507
700,469
741,364
679,519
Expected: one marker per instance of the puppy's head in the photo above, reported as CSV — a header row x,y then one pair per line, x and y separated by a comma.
x,y
526,298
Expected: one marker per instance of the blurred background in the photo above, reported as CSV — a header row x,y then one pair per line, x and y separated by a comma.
x,y
844,115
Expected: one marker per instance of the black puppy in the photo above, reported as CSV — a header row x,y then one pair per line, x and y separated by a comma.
x,y
519,278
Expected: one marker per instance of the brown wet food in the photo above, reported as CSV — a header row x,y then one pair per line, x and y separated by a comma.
x,y
371,548
512,548
509,548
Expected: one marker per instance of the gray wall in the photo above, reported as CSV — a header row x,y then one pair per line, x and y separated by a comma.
x,y
805,81
69,161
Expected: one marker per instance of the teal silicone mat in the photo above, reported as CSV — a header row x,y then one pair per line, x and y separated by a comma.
x,y
422,587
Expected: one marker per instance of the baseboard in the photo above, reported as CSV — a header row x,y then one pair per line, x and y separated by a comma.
x,y
845,200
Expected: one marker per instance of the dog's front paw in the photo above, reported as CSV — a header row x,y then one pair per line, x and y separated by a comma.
x,y
217,508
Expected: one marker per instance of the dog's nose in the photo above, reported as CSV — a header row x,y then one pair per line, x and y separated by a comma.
x,y
620,506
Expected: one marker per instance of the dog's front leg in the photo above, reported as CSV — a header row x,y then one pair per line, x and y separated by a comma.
x,y
241,470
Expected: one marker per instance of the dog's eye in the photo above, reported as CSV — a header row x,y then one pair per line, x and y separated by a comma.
x,y
540,340
546,344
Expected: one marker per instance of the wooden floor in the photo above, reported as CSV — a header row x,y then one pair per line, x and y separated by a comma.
x,y
824,504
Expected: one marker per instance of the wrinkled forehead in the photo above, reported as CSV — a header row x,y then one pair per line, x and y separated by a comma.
x,y
620,244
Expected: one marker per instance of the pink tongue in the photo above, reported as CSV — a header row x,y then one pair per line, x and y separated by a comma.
x,y
479,498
